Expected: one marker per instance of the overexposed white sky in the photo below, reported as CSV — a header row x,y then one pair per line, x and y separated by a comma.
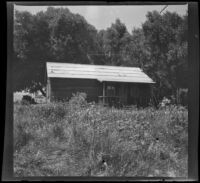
x,y
102,17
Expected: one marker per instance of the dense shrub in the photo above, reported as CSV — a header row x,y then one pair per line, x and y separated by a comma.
x,y
77,138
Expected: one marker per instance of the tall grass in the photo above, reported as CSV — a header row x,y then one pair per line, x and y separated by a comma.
x,y
72,138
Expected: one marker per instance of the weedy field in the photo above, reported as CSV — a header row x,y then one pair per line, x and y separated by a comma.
x,y
71,139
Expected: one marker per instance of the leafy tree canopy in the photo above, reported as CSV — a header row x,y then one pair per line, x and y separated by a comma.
x,y
159,47
166,45
114,42
54,35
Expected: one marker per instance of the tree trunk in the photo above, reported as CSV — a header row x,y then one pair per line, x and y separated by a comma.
x,y
43,93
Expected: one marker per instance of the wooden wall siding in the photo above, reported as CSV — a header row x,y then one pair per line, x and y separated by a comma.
x,y
64,88
138,94
123,93
145,94
73,82
129,93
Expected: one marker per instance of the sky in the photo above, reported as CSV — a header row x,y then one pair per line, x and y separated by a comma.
x,y
101,17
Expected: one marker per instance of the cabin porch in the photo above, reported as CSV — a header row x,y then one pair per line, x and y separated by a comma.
x,y
122,94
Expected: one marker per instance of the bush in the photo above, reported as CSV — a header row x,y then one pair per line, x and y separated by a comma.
x,y
85,139
26,99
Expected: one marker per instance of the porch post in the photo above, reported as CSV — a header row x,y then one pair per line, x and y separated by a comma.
x,y
104,92
48,96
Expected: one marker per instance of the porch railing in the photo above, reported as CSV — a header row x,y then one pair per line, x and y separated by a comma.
x,y
109,100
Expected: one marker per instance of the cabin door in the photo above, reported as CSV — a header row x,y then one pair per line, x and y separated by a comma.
x,y
112,93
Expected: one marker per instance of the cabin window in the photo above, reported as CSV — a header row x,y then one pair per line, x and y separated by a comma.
x,y
111,90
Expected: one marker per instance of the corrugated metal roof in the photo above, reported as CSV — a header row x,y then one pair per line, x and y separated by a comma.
x,y
99,72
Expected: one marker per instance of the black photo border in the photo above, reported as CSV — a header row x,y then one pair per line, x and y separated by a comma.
x,y
193,105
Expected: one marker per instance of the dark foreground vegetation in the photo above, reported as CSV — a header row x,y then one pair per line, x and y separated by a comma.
x,y
75,138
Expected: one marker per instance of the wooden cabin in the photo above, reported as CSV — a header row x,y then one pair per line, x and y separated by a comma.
x,y
105,84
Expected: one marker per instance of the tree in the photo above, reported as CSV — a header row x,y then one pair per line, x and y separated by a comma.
x,y
159,47
139,52
114,43
30,51
166,45
54,35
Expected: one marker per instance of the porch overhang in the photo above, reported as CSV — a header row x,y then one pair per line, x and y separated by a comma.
x,y
130,80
